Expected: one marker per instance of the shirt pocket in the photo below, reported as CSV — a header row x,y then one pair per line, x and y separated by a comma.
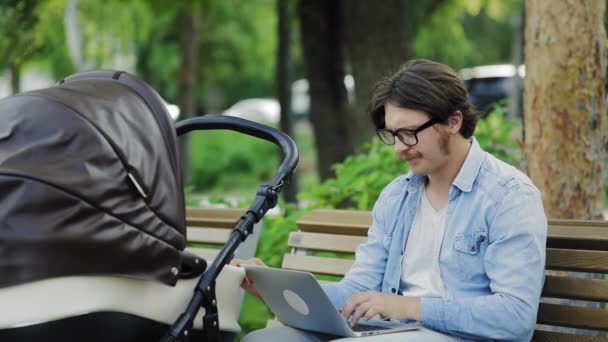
x,y
470,250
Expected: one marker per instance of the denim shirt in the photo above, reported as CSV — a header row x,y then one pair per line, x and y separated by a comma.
x,y
492,255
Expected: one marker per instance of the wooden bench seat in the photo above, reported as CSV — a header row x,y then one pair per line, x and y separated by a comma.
x,y
572,245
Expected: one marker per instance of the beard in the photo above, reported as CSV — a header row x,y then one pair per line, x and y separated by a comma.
x,y
444,147
444,142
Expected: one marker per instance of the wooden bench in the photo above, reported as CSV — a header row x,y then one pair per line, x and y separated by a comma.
x,y
210,228
572,245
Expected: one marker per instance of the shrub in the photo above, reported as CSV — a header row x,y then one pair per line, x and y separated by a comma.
x,y
229,161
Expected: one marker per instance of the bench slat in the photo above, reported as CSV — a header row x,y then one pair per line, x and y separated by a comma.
x,y
325,242
314,264
208,235
576,288
573,316
578,237
346,222
217,218
549,336
579,223
577,260
208,254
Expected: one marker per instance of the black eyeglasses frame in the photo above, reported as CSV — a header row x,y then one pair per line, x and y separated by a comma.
x,y
414,132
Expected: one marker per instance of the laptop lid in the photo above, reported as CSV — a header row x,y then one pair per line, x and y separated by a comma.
x,y
297,300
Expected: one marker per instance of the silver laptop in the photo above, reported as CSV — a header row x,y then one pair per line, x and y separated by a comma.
x,y
297,300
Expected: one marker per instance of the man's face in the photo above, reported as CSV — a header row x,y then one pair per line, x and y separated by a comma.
x,y
431,152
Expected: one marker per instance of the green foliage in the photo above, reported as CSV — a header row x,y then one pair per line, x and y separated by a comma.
x,y
50,35
496,135
18,22
359,179
229,161
462,33
237,46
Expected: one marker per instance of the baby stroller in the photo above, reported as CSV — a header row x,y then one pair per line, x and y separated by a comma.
x,y
92,216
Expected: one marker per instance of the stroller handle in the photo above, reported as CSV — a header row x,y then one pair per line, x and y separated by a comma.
x,y
266,198
287,145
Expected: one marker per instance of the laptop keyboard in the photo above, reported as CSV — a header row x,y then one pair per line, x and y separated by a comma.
x,y
366,327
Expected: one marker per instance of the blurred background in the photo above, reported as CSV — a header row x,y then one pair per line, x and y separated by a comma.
x,y
246,58
306,67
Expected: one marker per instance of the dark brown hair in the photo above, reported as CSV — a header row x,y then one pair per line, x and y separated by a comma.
x,y
428,86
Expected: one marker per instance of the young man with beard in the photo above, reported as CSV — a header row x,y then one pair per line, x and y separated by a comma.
x,y
459,242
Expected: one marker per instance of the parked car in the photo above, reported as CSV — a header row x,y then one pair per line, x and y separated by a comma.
x,y
268,110
488,84
258,110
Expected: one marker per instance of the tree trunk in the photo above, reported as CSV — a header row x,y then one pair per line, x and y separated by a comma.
x,y
322,44
186,99
15,78
284,79
565,109
377,44
565,105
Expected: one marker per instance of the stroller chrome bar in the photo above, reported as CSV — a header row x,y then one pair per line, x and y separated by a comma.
x,y
266,198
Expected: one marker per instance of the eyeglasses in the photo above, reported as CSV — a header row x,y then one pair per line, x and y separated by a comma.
x,y
407,136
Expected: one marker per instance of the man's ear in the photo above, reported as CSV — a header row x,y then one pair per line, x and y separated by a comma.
x,y
455,122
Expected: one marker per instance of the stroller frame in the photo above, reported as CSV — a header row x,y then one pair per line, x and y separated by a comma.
x,y
266,198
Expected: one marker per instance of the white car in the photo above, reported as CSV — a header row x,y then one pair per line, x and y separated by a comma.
x,y
258,110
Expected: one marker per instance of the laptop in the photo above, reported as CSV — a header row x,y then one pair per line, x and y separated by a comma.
x,y
297,300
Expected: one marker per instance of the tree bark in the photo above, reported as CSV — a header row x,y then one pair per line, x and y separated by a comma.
x,y
377,44
565,109
565,105
322,46
15,78
186,99
284,78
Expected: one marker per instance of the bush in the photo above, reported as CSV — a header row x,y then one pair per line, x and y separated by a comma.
x,y
359,179
496,134
229,161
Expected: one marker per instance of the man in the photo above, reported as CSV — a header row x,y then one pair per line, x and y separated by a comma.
x,y
459,242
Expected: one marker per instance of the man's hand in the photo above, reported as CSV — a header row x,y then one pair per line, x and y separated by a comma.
x,y
247,283
371,303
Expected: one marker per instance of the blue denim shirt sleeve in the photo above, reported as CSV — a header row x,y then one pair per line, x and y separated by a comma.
x,y
368,270
514,263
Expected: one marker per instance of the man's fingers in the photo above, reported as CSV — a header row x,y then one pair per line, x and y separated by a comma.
x,y
361,310
257,261
369,314
352,304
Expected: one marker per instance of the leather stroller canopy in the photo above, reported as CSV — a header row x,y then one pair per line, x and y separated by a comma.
x,y
89,182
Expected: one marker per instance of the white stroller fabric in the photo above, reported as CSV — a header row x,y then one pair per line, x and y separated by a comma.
x,y
57,298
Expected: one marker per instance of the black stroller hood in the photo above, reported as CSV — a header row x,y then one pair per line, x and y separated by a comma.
x,y
89,168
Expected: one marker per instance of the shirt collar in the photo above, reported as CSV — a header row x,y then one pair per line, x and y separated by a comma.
x,y
467,174
470,169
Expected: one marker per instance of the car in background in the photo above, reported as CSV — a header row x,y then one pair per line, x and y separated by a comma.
x,y
489,84
259,110
268,110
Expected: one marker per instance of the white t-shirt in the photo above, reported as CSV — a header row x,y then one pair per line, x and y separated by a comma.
x,y
420,264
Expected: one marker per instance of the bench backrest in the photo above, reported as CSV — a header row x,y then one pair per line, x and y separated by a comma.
x,y
210,228
572,245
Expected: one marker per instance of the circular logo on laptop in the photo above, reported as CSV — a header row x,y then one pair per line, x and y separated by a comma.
x,y
296,302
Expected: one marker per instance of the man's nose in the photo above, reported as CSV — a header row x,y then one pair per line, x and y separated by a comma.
x,y
399,146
